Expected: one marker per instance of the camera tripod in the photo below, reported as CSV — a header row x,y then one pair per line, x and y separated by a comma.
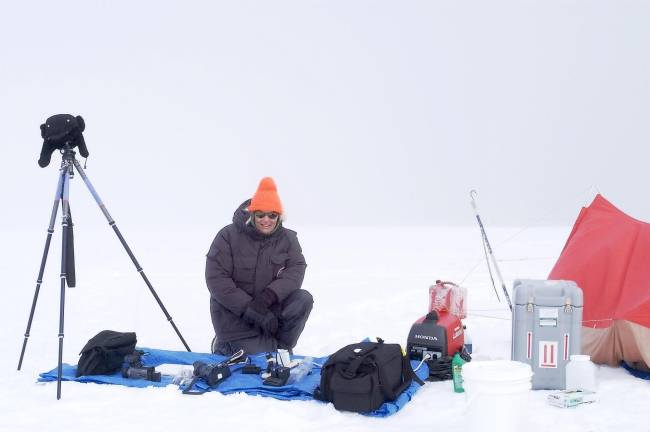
x,y
68,165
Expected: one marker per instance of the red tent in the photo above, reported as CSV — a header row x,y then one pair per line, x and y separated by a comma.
x,y
608,255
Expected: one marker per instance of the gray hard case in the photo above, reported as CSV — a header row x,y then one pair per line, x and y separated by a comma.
x,y
546,326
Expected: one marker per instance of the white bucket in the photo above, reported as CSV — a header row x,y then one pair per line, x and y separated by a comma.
x,y
497,395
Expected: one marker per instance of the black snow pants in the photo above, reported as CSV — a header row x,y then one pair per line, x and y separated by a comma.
x,y
292,315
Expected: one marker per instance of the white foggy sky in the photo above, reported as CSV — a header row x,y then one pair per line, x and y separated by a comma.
x,y
365,112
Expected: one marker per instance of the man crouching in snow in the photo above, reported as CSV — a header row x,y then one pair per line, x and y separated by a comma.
x,y
254,271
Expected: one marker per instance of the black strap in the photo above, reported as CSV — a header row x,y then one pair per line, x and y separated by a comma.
x,y
407,369
388,394
408,376
237,357
70,279
391,394
351,371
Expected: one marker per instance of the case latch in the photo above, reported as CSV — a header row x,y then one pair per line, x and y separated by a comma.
x,y
529,305
568,308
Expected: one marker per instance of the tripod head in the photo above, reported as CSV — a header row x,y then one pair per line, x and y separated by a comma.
x,y
62,132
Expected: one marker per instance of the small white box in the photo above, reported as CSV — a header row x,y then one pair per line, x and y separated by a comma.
x,y
571,398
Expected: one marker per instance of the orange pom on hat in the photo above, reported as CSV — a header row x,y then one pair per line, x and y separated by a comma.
x,y
266,197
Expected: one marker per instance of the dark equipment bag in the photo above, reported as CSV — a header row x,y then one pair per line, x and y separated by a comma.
x,y
362,376
104,353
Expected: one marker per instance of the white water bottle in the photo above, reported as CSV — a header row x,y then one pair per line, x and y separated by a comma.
x,y
468,342
580,373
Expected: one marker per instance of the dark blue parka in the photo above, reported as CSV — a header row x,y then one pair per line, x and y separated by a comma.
x,y
241,263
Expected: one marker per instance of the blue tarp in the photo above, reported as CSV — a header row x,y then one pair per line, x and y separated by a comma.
x,y
237,383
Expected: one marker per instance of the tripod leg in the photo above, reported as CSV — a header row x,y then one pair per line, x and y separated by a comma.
x,y
65,221
39,280
111,222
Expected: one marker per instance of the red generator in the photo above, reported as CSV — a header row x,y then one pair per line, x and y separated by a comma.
x,y
437,334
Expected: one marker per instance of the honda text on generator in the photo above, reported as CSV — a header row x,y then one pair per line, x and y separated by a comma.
x,y
437,334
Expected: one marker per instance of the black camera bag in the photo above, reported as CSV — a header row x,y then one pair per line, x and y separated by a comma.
x,y
362,376
104,353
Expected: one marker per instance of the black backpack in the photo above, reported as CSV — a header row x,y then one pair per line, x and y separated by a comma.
x,y
104,353
362,376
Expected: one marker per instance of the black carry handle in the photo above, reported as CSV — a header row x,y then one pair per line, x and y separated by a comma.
x,y
432,316
351,371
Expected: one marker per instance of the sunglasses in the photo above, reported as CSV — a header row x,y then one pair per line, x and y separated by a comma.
x,y
271,215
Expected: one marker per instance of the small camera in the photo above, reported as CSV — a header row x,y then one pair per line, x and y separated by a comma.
x,y
145,373
134,369
211,373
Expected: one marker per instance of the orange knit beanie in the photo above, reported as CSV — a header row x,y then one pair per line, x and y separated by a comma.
x,y
266,197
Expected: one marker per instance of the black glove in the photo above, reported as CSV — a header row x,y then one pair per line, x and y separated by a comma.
x,y
264,300
266,321
258,313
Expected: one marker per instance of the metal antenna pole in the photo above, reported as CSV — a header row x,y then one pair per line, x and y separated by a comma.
x,y
111,222
39,280
473,195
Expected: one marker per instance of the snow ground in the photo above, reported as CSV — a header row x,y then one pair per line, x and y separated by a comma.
x,y
366,282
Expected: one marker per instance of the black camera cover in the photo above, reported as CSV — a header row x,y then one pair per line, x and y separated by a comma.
x,y
59,130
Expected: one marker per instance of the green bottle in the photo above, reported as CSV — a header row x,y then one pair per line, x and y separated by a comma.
x,y
456,373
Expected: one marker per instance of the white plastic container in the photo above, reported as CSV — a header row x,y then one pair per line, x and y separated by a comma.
x,y
497,395
302,370
581,373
